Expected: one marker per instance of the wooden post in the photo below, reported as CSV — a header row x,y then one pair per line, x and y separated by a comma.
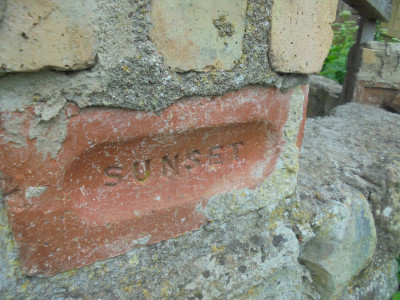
x,y
365,33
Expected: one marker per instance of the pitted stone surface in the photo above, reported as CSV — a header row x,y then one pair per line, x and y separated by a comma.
x,y
46,33
123,179
199,35
301,34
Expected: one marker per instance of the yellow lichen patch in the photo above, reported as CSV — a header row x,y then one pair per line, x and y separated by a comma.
x,y
251,291
146,294
23,287
165,290
134,261
71,273
128,289
216,249
126,69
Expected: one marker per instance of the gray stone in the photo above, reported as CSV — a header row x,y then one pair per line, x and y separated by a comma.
x,y
355,149
377,282
342,246
3,6
323,96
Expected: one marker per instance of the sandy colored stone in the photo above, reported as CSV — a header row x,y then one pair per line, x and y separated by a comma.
x,y
379,65
369,57
377,81
199,35
301,34
46,33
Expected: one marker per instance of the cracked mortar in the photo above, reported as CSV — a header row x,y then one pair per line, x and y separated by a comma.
x,y
134,77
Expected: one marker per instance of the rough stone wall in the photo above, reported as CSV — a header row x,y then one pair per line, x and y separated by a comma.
x,y
130,72
353,152
149,149
378,79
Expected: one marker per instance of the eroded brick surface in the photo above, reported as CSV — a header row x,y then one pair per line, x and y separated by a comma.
x,y
123,179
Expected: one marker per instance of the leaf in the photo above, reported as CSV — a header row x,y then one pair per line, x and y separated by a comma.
x,y
396,296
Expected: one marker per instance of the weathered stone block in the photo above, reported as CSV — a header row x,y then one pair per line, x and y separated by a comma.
x,y
353,151
342,246
201,36
46,33
123,179
379,64
301,34
324,95
377,81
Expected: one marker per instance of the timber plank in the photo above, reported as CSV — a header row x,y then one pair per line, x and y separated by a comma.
x,y
372,9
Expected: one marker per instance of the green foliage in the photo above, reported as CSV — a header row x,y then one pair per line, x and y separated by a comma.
x,y
379,32
396,296
344,37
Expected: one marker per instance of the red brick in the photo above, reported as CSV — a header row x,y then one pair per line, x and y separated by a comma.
x,y
376,94
123,178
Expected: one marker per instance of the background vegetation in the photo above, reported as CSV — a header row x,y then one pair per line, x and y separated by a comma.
x,y
345,35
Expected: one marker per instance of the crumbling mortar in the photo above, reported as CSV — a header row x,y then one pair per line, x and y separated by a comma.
x,y
138,80
150,86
